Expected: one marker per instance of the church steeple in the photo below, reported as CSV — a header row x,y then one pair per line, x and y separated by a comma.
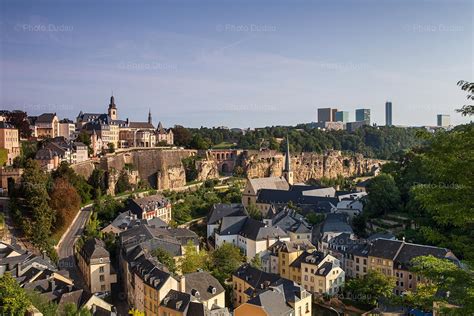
x,y
149,116
287,173
112,108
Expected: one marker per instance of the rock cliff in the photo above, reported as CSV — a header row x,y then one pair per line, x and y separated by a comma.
x,y
307,166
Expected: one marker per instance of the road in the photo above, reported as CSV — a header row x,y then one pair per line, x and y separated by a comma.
x,y
66,247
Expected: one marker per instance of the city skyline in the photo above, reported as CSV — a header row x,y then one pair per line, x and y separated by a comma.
x,y
241,65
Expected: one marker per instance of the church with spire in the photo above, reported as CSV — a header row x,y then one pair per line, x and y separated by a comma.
x,y
109,131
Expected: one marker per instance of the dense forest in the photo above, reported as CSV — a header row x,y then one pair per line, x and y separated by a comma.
x,y
371,141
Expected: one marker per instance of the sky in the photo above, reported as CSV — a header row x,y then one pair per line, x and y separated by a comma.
x,y
237,63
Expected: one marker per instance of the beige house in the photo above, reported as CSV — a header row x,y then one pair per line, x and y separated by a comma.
x,y
47,126
94,263
10,141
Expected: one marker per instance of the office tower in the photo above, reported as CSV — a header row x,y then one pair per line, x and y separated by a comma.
x,y
444,120
363,115
326,115
342,116
388,113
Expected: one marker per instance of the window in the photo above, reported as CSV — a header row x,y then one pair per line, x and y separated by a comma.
x,y
102,278
306,278
101,269
357,260
102,288
410,277
365,261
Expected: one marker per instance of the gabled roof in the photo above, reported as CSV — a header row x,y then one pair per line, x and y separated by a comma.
x,y
202,284
232,225
384,248
256,230
273,302
336,223
94,249
46,118
218,211
177,301
325,269
256,278
276,183
311,257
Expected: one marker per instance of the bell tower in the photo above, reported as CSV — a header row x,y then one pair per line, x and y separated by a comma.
x,y
287,173
112,109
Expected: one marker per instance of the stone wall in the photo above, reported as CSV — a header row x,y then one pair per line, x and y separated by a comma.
x,y
85,168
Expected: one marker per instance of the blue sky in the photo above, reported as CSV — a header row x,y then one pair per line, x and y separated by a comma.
x,y
236,63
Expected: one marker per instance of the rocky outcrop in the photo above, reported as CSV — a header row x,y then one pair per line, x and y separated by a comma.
x,y
207,169
310,165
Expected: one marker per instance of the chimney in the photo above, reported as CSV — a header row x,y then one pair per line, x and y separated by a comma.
x,y
52,284
182,284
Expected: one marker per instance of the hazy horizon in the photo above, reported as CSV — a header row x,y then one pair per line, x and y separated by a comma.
x,y
237,63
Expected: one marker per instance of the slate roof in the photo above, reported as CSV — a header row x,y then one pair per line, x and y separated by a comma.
x,y
324,269
94,249
312,257
232,225
270,196
410,251
290,221
384,248
291,246
218,211
142,125
336,223
146,204
256,230
4,124
45,118
277,183
273,302
202,282
151,271
255,277
177,301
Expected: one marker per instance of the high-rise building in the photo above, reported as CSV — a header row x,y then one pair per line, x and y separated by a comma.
x,y
326,115
342,116
388,113
444,120
363,115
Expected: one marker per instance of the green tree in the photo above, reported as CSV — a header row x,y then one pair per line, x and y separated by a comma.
x,y
254,212
467,110
13,298
444,276
371,287
225,260
193,259
383,195
315,218
165,258
256,262
70,309
111,147
45,306
36,199
123,184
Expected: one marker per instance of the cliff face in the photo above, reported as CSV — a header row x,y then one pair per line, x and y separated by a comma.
x,y
310,165
207,169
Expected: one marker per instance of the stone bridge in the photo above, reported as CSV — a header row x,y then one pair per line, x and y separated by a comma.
x,y
226,159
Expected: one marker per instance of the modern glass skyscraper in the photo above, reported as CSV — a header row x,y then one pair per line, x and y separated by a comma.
x,y
444,120
363,115
388,113
342,116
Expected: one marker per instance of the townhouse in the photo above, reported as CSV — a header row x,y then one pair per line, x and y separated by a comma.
x,y
152,206
95,265
9,141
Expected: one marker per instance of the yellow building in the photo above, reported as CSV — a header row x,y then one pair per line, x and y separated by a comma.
x,y
247,280
318,273
10,141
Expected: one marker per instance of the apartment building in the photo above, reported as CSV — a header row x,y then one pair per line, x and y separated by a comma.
x,y
247,280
